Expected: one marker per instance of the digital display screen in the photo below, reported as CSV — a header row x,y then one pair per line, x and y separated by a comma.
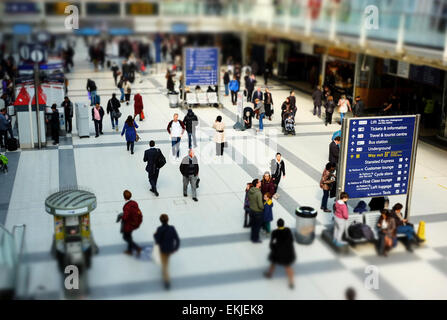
x,y
58,8
106,8
141,9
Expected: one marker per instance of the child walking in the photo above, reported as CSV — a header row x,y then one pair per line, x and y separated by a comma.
x,y
268,213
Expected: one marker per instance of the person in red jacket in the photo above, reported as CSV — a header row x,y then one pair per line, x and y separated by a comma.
x,y
267,184
132,218
138,106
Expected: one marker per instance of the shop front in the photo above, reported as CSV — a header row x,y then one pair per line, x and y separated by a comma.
x,y
415,90
340,72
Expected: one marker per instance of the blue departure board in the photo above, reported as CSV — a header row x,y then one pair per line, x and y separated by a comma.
x,y
201,66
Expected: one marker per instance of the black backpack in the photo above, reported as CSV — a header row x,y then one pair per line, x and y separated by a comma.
x,y
161,160
355,231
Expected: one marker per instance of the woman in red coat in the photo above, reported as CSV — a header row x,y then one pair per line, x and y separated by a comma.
x,y
267,184
138,106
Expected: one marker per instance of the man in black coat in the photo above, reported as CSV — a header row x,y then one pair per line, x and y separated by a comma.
x,y
68,112
113,106
317,97
191,121
250,87
54,124
292,100
168,240
151,156
334,150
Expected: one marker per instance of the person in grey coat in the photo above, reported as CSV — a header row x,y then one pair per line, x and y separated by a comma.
x,y
190,171
260,110
317,97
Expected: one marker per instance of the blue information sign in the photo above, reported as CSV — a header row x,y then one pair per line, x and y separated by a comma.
x,y
379,156
201,66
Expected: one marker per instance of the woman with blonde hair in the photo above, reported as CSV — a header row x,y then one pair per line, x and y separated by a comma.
x,y
343,106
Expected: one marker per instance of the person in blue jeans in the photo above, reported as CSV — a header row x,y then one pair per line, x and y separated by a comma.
x,y
404,227
176,128
260,109
120,86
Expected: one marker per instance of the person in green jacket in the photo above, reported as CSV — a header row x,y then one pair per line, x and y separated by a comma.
x,y
256,210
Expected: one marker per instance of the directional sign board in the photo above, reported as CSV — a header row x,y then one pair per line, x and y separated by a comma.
x,y
379,156
202,66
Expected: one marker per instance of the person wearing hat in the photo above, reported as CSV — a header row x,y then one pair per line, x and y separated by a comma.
x,y
54,124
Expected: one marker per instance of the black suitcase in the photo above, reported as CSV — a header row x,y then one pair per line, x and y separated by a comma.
x,y
12,144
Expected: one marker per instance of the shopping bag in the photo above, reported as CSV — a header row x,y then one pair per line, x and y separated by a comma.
x,y
156,254
142,115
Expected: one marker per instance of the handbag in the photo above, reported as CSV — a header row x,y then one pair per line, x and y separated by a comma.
x,y
388,241
156,254
137,137
142,115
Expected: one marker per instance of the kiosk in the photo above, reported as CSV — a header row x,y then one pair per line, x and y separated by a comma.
x,y
73,242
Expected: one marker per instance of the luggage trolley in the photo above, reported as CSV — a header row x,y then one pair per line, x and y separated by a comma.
x,y
73,242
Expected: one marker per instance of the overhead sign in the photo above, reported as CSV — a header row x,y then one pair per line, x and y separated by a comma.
x,y
202,66
379,156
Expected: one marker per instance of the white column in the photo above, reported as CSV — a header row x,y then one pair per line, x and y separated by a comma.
x,y
401,35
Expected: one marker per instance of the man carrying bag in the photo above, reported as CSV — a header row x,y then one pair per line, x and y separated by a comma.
x,y
155,160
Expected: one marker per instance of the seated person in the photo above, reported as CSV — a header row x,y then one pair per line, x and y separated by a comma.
x,y
248,117
289,124
387,232
403,226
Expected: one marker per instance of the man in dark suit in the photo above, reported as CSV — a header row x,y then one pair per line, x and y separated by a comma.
x,y
250,87
334,150
292,100
151,156
258,95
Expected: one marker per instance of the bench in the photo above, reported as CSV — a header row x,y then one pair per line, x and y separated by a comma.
x,y
369,218
201,98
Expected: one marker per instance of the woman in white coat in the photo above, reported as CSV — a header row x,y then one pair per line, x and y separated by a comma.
x,y
343,106
219,136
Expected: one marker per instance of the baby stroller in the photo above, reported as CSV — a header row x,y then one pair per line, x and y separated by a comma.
x,y
289,123
3,163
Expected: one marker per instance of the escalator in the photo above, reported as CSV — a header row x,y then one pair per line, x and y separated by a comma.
x,y
14,270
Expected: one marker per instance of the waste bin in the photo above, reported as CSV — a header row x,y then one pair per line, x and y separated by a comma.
x,y
173,99
306,219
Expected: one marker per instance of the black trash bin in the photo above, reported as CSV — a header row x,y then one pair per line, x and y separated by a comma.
x,y
306,220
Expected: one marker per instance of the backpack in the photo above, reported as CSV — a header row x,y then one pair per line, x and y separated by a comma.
x,y
367,232
137,219
161,160
355,231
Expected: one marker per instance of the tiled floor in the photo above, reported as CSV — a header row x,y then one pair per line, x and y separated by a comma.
x,y
216,259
